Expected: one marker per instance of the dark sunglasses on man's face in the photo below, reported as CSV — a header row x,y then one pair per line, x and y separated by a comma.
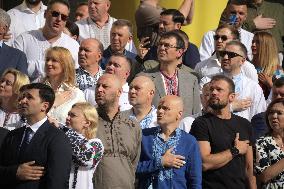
x,y
223,37
229,54
57,14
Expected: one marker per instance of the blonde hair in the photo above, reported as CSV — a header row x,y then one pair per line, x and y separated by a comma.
x,y
20,79
267,56
64,57
91,115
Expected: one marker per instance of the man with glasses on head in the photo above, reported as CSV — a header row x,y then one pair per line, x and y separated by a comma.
x,y
236,13
211,66
34,43
232,58
170,79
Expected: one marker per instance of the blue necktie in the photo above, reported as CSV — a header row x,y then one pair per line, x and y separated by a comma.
x,y
26,140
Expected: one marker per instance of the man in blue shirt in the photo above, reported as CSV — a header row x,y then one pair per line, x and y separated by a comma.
x,y
170,157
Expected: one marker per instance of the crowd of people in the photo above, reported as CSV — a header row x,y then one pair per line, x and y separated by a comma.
x,y
82,107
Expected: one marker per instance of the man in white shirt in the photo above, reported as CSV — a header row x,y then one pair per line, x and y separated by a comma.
x,y
120,66
232,59
236,13
25,17
98,24
34,43
211,66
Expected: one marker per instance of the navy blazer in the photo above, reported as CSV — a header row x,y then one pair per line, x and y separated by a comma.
x,y
49,148
12,58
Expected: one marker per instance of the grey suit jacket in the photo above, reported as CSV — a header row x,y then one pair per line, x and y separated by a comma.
x,y
188,89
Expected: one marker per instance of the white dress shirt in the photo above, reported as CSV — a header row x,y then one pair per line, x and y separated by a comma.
x,y
211,66
247,88
60,112
89,29
207,46
24,19
34,45
90,94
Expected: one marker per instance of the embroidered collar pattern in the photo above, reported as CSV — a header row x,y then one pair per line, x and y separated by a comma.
x,y
159,148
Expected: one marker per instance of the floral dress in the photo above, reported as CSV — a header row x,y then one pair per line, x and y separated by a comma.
x,y
86,156
267,154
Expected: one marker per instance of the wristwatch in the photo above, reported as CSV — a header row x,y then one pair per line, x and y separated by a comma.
x,y
234,151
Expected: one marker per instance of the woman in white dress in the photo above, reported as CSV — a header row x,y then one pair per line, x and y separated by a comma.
x,y
87,150
11,81
60,75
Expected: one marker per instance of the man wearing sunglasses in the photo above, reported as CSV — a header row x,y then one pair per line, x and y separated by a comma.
x,y
32,12
34,43
211,66
232,58
236,13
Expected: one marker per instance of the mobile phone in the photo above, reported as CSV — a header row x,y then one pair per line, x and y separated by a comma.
x,y
232,19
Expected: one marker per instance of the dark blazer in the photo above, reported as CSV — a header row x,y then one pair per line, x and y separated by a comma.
x,y
3,133
188,89
49,148
12,58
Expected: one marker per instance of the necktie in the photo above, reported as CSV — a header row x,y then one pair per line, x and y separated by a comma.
x,y
26,140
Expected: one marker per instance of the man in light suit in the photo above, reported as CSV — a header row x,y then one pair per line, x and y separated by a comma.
x,y
171,78
10,57
37,155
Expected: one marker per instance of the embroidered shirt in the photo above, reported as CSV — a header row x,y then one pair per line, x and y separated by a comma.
x,y
150,120
85,80
171,83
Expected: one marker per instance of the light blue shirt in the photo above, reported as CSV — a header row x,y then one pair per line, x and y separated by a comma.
x,y
1,44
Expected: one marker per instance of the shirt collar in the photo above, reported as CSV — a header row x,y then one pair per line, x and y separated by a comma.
x,y
175,133
24,7
125,88
1,44
36,125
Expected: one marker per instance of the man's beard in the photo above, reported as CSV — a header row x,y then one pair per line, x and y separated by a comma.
x,y
33,2
218,106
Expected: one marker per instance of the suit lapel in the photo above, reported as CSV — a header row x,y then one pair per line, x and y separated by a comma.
x,y
157,78
37,138
184,83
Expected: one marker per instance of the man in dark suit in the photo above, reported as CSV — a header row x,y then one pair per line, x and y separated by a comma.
x,y
9,56
37,155
171,78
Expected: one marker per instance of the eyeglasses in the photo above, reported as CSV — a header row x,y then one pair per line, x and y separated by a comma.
x,y
229,54
223,37
167,46
57,14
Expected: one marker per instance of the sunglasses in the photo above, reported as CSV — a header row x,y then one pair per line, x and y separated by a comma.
x,y
223,37
57,14
229,54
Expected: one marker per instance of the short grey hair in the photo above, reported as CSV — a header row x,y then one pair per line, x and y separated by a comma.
x,y
4,18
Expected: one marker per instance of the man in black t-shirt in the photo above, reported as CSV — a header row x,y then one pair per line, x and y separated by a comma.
x,y
224,140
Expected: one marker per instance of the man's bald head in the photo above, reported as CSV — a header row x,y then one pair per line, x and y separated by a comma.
x,y
170,111
174,100
141,91
108,91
